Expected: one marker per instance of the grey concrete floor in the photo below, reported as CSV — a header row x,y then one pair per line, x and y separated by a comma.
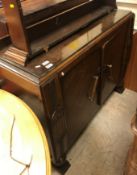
x,y
103,147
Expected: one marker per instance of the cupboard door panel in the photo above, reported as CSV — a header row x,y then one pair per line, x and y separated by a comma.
x,y
112,60
80,93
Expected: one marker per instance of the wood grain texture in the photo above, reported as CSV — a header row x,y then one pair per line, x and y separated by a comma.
x,y
131,164
131,75
24,150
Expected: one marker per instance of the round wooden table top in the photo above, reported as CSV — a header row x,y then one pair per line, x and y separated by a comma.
x,y
23,145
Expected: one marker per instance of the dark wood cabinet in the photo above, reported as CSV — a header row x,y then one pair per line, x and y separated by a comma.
x,y
85,69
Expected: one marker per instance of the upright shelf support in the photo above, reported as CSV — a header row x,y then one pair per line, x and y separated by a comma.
x,y
20,51
17,31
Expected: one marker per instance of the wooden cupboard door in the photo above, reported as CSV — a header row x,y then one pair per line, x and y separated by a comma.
x,y
79,85
112,61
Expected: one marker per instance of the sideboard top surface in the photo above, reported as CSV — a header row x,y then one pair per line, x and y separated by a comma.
x,y
59,56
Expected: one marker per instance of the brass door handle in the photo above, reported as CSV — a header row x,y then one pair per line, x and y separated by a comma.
x,y
93,87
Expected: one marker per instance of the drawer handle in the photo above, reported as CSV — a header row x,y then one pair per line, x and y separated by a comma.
x,y
93,87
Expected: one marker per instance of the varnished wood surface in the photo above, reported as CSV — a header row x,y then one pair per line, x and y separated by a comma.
x,y
66,9
80,88
65,30
66,50
112,64
131,75
58,28
20,39
15,22
3,25
31,8
27,83
24,150
54,21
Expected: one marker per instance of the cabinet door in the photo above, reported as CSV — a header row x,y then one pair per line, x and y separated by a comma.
x,y
79,85
112,59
